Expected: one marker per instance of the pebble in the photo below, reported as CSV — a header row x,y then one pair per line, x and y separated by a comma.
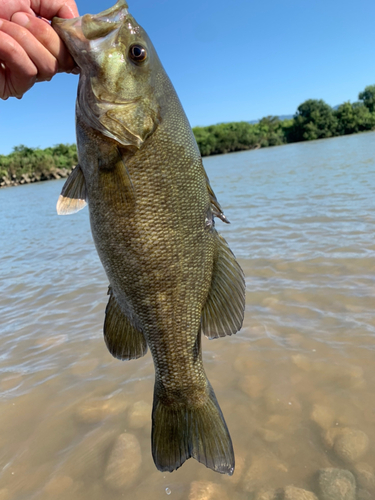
x,y
330,435
91,412
293,493
336,484
124,462
365,476
262,469
205,490
350,445
266,495
323,416
139,415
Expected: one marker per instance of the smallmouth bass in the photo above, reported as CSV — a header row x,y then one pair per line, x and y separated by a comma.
x,y
172,276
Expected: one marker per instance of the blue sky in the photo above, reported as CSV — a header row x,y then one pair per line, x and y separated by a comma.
x,y
229,61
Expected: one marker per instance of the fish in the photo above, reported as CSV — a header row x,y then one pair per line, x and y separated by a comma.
x,y
172,277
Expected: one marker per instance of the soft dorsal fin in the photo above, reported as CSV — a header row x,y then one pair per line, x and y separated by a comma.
x,y
123,340
73,194
223,311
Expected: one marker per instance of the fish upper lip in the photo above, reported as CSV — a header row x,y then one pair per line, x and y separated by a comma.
x,y
113,15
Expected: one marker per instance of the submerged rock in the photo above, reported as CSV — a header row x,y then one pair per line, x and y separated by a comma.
x,y
293,493
262,469
267,495
96,410
139,415
365,476
205,490
336,484
364,495
323,416
124,462
350,445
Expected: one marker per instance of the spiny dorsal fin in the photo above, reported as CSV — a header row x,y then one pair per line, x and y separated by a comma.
x,y
223,311
215,205
122,339
73,194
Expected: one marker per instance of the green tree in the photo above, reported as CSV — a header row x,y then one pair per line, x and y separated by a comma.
x,y
314,120
368,97
353,118
25,160
270,131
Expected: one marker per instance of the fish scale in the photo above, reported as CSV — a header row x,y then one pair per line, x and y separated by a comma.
x,y
152,210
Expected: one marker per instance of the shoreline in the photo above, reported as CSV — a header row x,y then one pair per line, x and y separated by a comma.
x,y
55,174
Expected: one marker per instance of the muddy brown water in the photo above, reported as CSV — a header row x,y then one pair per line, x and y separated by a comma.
x,y
296,385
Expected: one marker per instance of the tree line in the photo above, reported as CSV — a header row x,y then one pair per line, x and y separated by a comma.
x,y
314,119
35,163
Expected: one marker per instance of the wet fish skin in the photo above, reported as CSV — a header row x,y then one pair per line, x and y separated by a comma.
x,y
172,276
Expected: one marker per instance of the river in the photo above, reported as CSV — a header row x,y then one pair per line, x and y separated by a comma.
x,y
296,384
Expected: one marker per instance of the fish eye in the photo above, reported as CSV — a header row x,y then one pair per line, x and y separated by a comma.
x,y
137,53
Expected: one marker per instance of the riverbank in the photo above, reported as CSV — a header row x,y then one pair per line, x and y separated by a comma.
x,y
59,173
26,165
314,119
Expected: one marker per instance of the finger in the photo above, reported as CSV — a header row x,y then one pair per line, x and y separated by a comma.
x,y
9,7
45,62
18,72
51,8
47,38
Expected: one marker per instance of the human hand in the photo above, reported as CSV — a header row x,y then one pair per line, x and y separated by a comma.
x,y
30,49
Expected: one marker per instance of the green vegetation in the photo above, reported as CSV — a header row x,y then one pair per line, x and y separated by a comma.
x,y
24,160
314,119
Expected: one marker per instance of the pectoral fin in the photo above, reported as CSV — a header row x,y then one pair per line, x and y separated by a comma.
x,y
223,311
115,180
122,339
73,194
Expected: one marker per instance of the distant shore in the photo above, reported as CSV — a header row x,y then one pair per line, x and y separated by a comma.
x,y
59,173
26,165
313,120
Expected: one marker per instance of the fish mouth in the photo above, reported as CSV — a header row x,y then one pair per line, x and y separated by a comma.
x,y
76,32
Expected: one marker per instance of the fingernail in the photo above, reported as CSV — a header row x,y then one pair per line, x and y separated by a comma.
x,y
20,18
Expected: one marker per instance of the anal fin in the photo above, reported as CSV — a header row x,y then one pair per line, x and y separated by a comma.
x,y
223,311
123,340
73,194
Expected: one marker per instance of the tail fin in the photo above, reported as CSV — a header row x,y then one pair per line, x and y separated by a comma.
x,y
180,432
